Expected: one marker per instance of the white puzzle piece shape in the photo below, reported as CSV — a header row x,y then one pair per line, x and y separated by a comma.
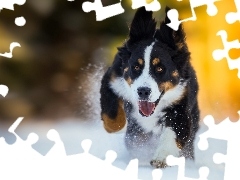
x,y
173,14
103,12
219,54
232,17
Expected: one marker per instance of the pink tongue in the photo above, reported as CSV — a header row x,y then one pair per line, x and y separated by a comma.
x,y
146,107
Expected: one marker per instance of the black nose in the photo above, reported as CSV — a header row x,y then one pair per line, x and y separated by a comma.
x,y
144,92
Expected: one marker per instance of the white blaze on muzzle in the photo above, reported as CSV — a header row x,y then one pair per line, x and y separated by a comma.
x,y
146,101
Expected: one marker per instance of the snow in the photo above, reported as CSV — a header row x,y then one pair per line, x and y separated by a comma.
x,y
73,131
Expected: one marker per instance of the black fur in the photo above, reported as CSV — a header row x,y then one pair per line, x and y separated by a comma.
x,y
171,48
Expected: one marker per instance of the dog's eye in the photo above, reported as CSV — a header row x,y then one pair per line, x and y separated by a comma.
x,y
137,68
159,69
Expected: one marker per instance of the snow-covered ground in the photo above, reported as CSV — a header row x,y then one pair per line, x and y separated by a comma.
x,y
73,131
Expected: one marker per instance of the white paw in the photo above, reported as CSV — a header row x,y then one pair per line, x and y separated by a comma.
x,y
167,146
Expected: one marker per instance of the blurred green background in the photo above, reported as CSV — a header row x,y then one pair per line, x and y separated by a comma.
x,y
60,44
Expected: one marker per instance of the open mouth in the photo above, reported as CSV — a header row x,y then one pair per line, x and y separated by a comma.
x,y
147,108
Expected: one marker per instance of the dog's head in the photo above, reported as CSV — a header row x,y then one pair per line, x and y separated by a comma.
x,y
153,60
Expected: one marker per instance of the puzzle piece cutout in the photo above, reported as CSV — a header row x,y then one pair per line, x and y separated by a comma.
x,y
106,169
20,21
12,46
231,136
232,17
57,164
116,9
103,12
13,157
152,6
216,171
180,162
10,138
21,159
3,90
21,146
9,4
173,14
219,54
156,174
58,148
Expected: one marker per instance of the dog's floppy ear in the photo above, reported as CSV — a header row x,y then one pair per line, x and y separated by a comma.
x,y
142,27
174,39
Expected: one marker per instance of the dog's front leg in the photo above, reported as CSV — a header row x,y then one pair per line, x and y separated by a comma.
x,y
113,114
167,146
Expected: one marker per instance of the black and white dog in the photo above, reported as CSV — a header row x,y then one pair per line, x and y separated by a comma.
x,y
151,89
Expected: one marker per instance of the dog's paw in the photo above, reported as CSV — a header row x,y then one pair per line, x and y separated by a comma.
x,y
158,164
167,146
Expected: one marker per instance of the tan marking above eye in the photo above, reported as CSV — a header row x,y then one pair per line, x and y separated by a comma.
x,y
155,61
126,69
175,73
140,61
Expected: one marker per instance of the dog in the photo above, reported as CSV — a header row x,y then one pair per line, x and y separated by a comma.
x,y
151,90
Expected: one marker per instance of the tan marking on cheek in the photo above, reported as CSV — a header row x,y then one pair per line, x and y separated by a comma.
x,y
140,61
166,86
155,61
175,73
127,78
116,124
129,81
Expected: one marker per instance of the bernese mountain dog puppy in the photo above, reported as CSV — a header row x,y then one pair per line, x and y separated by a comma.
x,y
151,90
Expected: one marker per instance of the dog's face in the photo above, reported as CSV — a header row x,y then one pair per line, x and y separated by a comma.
x,y
150,73
153,62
